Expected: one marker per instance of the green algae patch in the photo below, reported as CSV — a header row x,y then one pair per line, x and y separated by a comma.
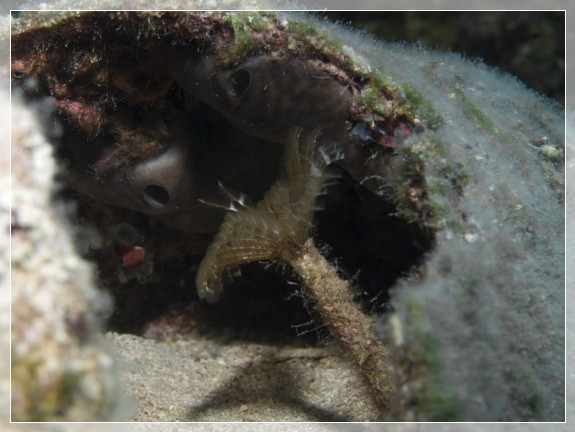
x,y
374,100
556,183
429,185
484,121
247,30
44,392
302,28
524,389
433,399
407,100
422,110
480,117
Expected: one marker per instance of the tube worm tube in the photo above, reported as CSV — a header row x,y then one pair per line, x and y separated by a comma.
x,y
278,229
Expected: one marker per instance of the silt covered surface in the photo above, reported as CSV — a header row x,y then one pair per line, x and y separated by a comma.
x,y
473,176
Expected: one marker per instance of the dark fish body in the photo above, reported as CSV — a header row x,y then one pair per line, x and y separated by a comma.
x,y
267,97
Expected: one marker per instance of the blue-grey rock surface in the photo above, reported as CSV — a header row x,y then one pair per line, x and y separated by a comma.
x,y
493,291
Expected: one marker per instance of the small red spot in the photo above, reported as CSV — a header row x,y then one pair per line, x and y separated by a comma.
x,y
133,256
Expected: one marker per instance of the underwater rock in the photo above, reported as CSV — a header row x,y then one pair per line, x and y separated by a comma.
x,y
455,172
60,369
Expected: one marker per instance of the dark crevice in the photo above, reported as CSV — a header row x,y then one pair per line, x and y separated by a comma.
x,y
355,229
155,294
147,261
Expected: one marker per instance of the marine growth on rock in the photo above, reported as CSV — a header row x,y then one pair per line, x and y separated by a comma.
x,y
190,145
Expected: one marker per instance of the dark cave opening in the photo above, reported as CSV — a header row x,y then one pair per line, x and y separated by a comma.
x,y
157,297
148,267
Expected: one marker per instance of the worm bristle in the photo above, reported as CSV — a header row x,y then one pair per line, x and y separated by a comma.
x,y
280,222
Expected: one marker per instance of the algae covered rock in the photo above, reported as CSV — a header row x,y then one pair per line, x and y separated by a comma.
x,y
449,207
59,369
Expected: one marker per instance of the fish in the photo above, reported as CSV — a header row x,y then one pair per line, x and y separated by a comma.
x,y
265,96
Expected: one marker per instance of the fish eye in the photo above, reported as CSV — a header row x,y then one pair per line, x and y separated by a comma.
x,y
238,82
156,195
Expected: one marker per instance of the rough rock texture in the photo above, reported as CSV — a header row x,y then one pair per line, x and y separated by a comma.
x,y
59,372
478,331
492,298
